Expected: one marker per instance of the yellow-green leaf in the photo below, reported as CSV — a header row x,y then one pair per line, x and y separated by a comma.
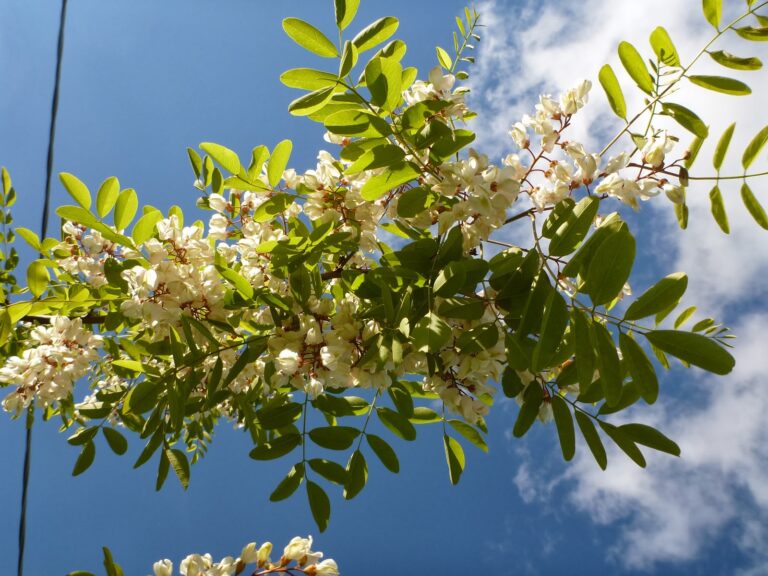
x,y
309,37
37,277
278,162
227,158
754,148
107,196
635,67
722,147
664,48
754,207
721,84
615,96
345,12
713,11
734,62
454,455
376,33
717,207
76,189
125,208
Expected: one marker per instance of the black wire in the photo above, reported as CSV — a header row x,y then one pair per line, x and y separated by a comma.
x,y
43,229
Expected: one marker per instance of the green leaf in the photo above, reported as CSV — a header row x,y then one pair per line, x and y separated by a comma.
x,y
334,437
443,58
76,189
397,424
357,475
713,11
376,33
273,207
312,102
383,77
308,79
125,208
276,448
399,174
454,455
116,441
278,162
610,266
144,228
180,465
329,470
424,415
29,237
289,484
693,348
754,147
664,48
384,452
613,91
607,363
717,206
226,158
37,277
272,417
469,433
481,337
574,228
665,293
722,146
430,334
239,282
635,67
77,214
754,207
348,59
85,459
83,435
647,436
640,368
319,504
721,84
592,438
753,34
463,308
624,442
734,62
553,325
141,397
684,316
584,350
686,118
309,37
532,399
107,196
565,429
511,384
345,12
110,566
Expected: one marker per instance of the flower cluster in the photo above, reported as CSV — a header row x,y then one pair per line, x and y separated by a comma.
x,y
57,355
297,558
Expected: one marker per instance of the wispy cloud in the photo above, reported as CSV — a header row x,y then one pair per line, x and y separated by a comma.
x,y
674,509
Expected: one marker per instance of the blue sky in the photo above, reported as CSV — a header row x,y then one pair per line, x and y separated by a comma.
x,y
142,81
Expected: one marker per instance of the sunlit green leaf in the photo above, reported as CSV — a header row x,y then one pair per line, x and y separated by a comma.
x,y
734,62
717,206
722,84
635,67
309,37
663,47
713,11
754,147
454,455
613,91
754,207
376,33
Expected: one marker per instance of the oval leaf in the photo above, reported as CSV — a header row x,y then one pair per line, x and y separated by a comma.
x,y
107,196
722,146
309,37
694,349
613,92
722,84
76,189
665,293
635,67
376,33
754,148
754,207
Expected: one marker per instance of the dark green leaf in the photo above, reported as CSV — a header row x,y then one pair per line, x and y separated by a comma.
x,y
142,397
334,437
85,459
384,452
180,465
397,424
116,441
624,442
271,417
607,363
289,484
647,436
357,475
584,350
532,399
329,470
565,430
665,293
399,174
574,228
511,383
753,34
276,448
640,368
693,348
319,504
553,325
430,334
593,438
479,338
610,266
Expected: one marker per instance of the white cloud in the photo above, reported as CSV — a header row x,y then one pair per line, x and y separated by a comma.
x,y
674,509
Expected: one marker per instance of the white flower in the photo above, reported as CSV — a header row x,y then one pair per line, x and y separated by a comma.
x,y
249,554
163,568
327,568
655,149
